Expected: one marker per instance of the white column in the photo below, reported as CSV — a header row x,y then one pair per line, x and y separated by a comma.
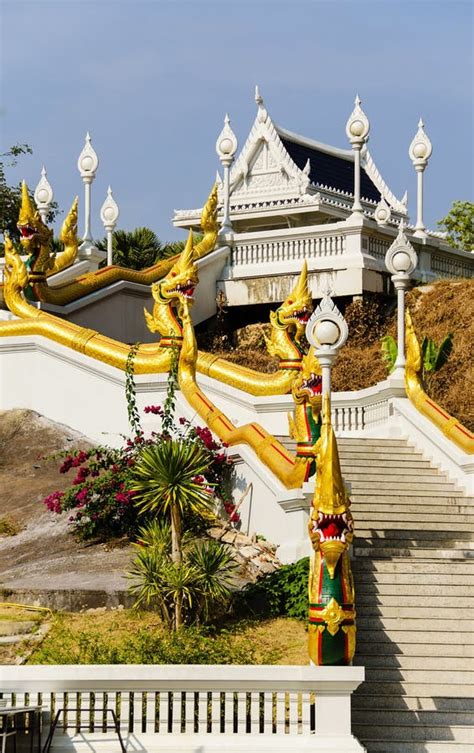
x,y
420,225
87,209
420,151
109,215
357,130
401,261
226,147
356,206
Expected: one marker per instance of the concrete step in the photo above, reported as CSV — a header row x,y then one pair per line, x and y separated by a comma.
x,y
421,663
456,503
417,624
8,640
394,746
379,592
414,601
380,717
375,685
401,529
353,472
417,648
362,455
422,612
353,460
16,627
372,442
413,541
407,567
422,703
374,552
401,514
413,733
374,493
399,633
400,484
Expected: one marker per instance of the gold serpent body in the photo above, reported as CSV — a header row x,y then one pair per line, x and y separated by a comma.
x,y
450,426
271,452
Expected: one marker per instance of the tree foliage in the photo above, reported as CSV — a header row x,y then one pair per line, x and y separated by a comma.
x,y
459,225
10,196
139,248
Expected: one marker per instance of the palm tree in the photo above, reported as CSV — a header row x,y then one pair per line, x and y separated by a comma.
x,y
199,583
139,248
167,482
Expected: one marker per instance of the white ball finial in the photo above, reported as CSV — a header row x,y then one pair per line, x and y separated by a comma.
x,y
401,257
88,160
226,144
109,212
358,126
420,148
43,192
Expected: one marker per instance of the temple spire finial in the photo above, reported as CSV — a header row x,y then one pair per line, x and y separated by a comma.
x,y
258,96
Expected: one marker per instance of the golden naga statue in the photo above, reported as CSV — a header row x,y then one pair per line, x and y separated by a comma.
x,y
291,470
287,322
154,358
449,425
332,630
35,239
92,281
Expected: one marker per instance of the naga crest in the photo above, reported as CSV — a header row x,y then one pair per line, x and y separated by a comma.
x,y
307,386
170,292
35,237
331,527
291,316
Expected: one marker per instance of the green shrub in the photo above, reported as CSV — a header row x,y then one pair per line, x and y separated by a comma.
x,y
189,645
282,593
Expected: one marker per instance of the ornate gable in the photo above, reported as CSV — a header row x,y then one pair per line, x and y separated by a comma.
x,y
264,167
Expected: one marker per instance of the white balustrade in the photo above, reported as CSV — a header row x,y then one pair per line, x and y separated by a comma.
x,y
289,249
272,705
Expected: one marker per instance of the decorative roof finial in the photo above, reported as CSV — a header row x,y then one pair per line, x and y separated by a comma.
x,y
258,96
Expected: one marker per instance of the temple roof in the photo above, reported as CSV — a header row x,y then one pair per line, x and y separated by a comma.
x,y
328,166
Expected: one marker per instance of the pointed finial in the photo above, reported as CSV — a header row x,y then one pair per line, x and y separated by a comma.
x,y
88,160
258,96
43,194
420,148
226,144
358,126
109,212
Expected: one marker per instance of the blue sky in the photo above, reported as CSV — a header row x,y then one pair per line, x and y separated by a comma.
x,y
152,80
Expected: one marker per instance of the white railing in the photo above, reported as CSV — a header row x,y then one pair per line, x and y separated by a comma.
x,y
315,244
191,707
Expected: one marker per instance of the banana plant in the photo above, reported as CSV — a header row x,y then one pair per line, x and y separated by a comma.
x,y
433,356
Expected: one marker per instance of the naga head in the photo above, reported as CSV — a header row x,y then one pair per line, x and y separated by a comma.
x,y
307,386
181,280
331,526
171,292
35,237
296,309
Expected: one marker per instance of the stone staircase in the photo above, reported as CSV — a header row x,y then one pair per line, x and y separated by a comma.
x,y
414,573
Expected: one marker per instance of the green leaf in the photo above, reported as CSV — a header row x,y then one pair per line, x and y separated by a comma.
x,y
430,354
389,351
444,351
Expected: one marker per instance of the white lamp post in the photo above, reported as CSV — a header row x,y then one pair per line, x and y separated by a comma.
x,y
43,195
420,151
87,165
226,147
109,215
401,261
326,331
357,130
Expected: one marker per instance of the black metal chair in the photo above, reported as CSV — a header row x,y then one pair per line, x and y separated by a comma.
x,y
83,725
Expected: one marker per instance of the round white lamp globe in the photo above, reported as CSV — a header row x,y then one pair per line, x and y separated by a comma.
x,y
327,332
401,261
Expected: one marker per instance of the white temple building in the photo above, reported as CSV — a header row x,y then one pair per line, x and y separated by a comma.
x,y
293,198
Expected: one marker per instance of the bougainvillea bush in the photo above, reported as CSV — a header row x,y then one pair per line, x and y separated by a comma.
x,y
100,501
